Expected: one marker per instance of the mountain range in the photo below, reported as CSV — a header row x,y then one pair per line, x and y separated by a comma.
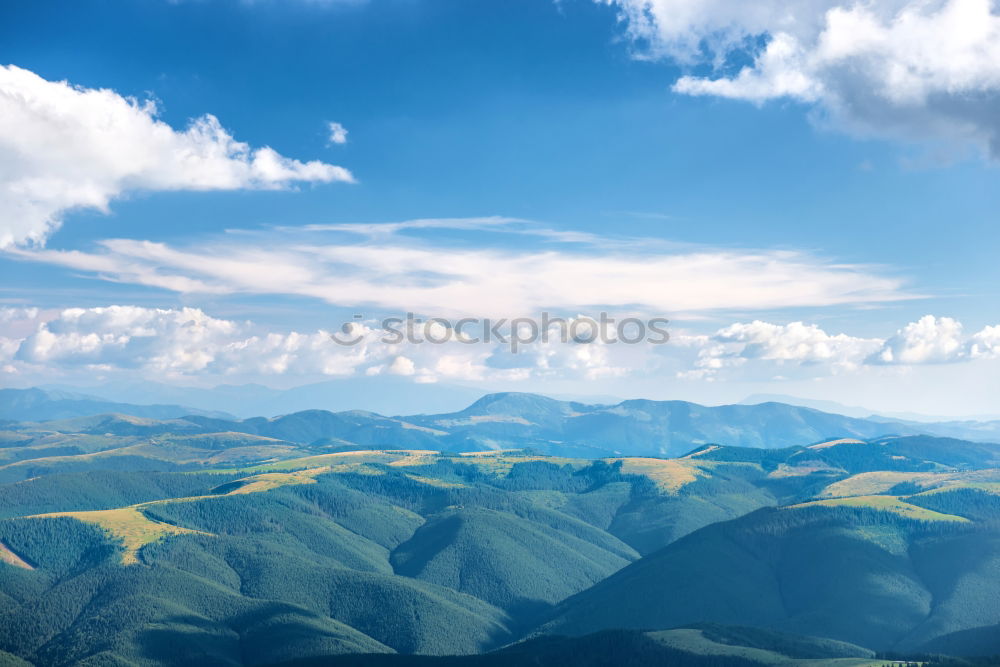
x,y
519,530
508,420
45,404
384,394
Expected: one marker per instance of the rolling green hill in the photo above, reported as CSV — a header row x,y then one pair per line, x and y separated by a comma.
x,y
230,547
860,572
704,646
375,550
518,563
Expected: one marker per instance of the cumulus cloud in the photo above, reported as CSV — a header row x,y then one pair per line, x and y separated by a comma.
x,y
985,344
161,339
178,343
17,314
402,366
937,340
174,343
929,340
64,147
796,343
438,276
914,69
338,133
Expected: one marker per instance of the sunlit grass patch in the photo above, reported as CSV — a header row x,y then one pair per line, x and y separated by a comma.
x,y
885,504
431,481
669,475
11,558
400,457
129,525
880,482
274,480
838,441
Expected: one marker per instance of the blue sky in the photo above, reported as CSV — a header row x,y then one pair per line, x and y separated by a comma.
x,y
564,115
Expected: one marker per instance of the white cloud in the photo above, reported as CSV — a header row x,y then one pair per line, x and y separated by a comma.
x,y
796,344
400,273
127,336
338,133
916,69
64,147
176,342
12,314
379,230
402,366
167,344
985,344
929,340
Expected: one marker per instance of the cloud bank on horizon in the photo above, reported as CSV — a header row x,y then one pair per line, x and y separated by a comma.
x,y
183,343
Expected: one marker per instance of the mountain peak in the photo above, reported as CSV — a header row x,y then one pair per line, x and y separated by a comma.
x,y
515,402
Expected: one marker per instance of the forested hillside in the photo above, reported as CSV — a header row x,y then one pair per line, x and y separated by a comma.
x,y
133,541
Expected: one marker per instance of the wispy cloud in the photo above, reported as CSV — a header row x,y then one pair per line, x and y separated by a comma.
x,y
387,269
375,230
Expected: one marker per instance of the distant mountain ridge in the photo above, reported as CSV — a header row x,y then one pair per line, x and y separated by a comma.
x,y
641,427
43,405
636,427
383,394
857,411
519,420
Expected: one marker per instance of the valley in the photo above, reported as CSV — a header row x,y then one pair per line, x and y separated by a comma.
x,y
210,542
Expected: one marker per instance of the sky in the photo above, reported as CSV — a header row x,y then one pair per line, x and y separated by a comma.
x,y
200,192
